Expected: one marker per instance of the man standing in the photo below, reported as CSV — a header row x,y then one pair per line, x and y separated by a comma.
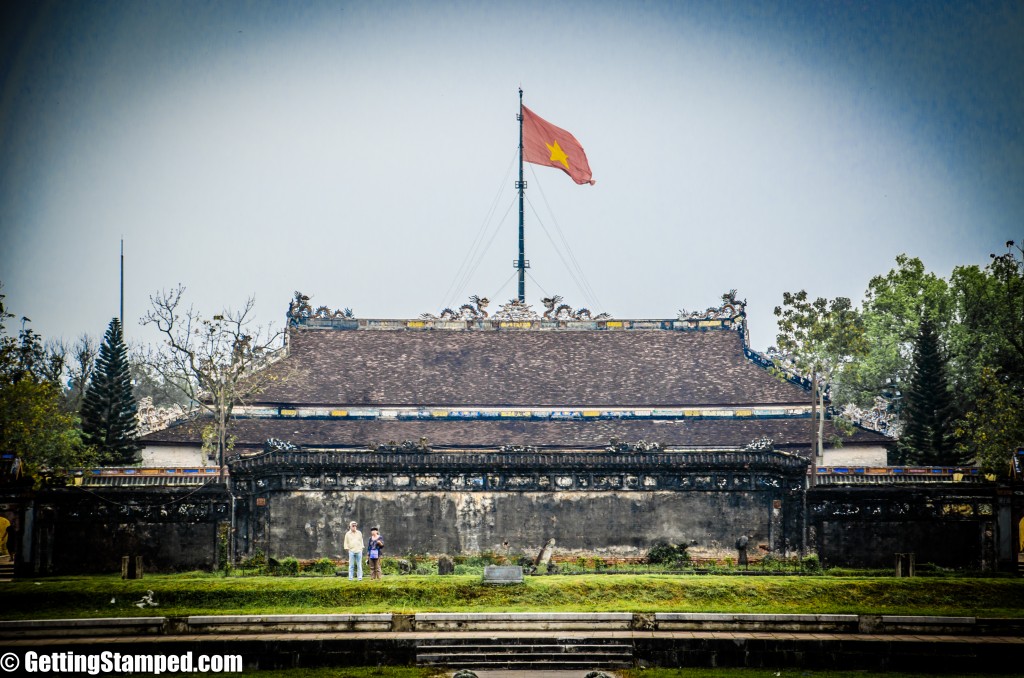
x,y
354,546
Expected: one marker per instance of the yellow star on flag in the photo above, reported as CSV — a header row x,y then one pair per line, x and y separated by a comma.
x,y
545,144
558,155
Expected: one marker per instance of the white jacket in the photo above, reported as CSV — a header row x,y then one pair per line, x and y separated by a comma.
x,y
353,540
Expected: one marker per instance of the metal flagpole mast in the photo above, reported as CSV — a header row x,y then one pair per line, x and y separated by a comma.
x,y
522,264
121,318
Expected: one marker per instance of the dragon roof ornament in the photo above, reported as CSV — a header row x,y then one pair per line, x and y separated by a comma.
x,y
300,309
731,308
475,310
557,311
516,310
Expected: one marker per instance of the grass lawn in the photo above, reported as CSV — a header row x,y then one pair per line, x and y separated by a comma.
x,y
202,593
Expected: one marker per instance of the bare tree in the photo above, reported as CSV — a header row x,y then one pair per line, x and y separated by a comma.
x,y
217,363
147,382
79,366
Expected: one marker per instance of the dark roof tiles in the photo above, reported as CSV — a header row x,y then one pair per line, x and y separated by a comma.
x,y
646,368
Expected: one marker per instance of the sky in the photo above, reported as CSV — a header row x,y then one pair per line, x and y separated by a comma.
x,y
357,152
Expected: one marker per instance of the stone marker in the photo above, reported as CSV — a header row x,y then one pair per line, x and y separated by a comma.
x,y
445,565
544,557
503,574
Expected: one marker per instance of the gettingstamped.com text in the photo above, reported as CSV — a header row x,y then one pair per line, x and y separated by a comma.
x,y
117,662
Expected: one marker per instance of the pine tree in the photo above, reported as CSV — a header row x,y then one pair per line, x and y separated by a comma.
x,y
928,410
108,410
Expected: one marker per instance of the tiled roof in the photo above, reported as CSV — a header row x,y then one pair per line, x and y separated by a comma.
x,y
492,434
522,368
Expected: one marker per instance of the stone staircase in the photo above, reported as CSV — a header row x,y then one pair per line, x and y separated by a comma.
x,y
525,653
6,568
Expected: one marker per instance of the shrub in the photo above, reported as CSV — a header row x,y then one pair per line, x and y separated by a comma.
x,y
257,561
390,565
663,553
810,563
287,567
322,566
492,558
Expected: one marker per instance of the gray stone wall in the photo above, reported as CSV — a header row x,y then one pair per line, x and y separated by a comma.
x,y
619,523
609,504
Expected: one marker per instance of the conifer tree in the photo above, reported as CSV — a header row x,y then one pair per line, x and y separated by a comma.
x,y
928,412
108,410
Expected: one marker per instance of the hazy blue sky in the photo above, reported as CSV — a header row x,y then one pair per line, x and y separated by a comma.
x,y
354,151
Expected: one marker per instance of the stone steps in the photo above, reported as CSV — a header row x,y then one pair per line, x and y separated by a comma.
x,y
523,621
525,654
6,568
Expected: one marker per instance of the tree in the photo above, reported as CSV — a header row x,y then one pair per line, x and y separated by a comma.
x,y
994,428
216,363
147,382
108,409
79,367
41,438
929,411
818,339
988,354
894,306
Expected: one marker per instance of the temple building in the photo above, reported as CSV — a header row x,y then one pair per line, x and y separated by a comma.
x,y
521,380
468,432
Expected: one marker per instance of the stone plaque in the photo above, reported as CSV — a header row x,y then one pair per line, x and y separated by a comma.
x,y
503,574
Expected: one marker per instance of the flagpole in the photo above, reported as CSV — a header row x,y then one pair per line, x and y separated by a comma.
x,y
121,317
521,263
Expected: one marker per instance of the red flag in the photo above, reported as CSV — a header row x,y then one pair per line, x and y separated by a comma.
x,y
545,144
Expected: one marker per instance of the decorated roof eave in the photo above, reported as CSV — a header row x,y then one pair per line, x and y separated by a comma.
x,y
291,411
376,461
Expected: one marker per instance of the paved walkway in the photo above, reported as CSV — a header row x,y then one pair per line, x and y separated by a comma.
x,y
432,635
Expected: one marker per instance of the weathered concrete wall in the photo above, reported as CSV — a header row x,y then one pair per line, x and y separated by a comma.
x,y
862,455
948,525
464,503
175,455
313,524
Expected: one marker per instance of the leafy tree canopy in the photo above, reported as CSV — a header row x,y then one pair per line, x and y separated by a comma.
x,y
988,345
818,339
37,438
894,306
